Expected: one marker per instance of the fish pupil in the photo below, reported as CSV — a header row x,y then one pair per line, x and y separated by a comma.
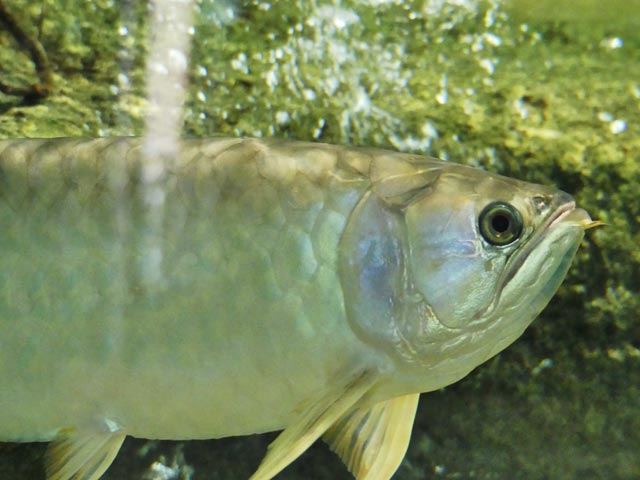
x,y
500,223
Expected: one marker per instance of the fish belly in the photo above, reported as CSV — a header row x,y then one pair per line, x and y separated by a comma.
x,y
204,306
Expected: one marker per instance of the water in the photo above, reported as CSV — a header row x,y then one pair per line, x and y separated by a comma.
x,y
169,43
545,91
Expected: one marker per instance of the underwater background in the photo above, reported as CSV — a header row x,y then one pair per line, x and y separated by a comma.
x,y
545,91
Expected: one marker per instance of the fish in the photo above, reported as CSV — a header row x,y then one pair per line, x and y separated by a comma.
x,y
261,285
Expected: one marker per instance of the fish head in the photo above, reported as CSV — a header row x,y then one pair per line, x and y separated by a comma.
x,y
483,245
448,272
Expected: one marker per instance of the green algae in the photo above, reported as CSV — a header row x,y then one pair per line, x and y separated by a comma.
x,y
544,91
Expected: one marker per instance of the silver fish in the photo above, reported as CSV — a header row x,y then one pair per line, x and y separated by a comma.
x,y
306,287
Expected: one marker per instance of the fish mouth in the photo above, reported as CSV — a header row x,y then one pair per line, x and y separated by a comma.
x,y
561,213
567,212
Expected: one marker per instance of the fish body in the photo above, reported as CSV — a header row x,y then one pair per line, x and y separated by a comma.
x,y
247,269
265,285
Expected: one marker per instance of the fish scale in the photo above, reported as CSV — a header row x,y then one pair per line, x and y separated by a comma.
x,y
258,285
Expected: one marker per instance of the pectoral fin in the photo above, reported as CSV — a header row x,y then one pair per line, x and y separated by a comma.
x,y
372,442
315,420
82,456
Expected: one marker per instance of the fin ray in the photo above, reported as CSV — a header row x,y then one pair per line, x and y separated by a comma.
x,y
311,424
82,456
372,442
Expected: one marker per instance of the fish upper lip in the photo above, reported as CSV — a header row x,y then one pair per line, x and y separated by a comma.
x,y
562,212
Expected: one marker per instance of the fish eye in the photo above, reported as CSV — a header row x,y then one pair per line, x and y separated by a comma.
x,y
500,224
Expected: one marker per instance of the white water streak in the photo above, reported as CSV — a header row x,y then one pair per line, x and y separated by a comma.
x,y
166,76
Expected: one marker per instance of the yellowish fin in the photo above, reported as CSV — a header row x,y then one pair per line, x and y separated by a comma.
x,y
82,456
372,442
312,423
